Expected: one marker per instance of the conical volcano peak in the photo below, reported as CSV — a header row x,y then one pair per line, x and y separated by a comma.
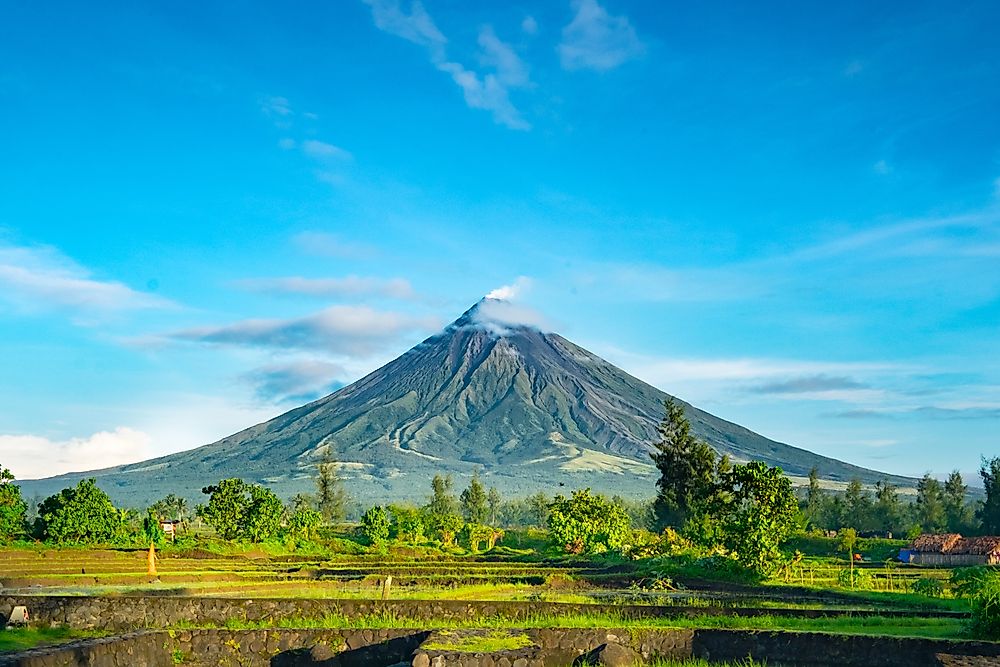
x,y
501,316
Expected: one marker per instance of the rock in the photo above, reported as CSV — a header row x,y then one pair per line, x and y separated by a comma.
x,y
609,655
421,660
321,653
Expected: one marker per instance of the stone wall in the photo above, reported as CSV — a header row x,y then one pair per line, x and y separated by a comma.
x,y
555,647
121,613
131,650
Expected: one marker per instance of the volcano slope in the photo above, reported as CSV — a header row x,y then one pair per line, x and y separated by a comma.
x,y
527,409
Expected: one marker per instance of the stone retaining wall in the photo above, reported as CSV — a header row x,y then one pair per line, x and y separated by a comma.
x,y
121,613
556,647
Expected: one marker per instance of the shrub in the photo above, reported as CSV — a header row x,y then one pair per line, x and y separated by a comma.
x,y
928,586
304,523
408,524
855,578
587,523
985,598
12,507
375,525
237,510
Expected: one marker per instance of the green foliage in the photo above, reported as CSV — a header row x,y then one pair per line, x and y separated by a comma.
x,y
331,497
688,470
13,509
494,501
304,523
847,540
928,586
989,511
407,523
857,506
445,527
237,510
855,579
587,523
442,499
984,593
171,507
83,514
930,505
152,531
375,525
759,514
475,507
887,510
958,514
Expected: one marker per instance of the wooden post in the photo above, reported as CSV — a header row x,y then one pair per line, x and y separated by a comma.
x,y
386,585
151,560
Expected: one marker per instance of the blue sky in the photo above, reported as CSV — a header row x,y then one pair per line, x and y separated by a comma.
x,y
786,214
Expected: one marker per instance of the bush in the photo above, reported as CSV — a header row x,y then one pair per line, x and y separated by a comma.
x,y
928,586
237,510
985,598
857,579
304,524
375,526
587,523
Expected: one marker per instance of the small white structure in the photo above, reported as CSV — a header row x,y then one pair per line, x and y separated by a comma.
x,y
18,616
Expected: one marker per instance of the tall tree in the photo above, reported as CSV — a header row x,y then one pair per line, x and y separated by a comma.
x,y
887,506
331,498
989,511
494,500
814,496
857,506
758,515
958,515
13,509
538,509
930,505
688,470
475,505
442,499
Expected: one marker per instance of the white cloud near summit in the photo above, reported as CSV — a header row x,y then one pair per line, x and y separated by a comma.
x,y
596,40
489,91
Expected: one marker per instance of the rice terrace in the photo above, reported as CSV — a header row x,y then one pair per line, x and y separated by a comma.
x,y
579,333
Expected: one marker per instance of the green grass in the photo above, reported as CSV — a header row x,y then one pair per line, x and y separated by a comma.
x,y
20,639
934,628
496,640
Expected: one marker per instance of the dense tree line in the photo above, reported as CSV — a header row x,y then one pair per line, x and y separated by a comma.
x,y
936,507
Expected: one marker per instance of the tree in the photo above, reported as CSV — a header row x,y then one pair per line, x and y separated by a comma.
x,y
814,496
848,541
170,507
442,499
989,511
758,515
475,507
13,509
857,506
887,507
494,500
446,527
957,513
263,514
226,505
304,523
83,514
587,523
237,510
930,505
375,525
408,522
331,498
688,473
538,509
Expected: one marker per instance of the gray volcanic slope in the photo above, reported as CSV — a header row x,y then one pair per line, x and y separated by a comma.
x,y
530,410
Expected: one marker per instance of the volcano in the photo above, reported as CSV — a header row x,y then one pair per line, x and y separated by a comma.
x,y
528,410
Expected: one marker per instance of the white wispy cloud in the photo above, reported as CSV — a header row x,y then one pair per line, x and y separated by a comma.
x,y
352,286
529,25
596,40
33,456
325,244
489,91
512,291
276,106
341,329
40,278
323,150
